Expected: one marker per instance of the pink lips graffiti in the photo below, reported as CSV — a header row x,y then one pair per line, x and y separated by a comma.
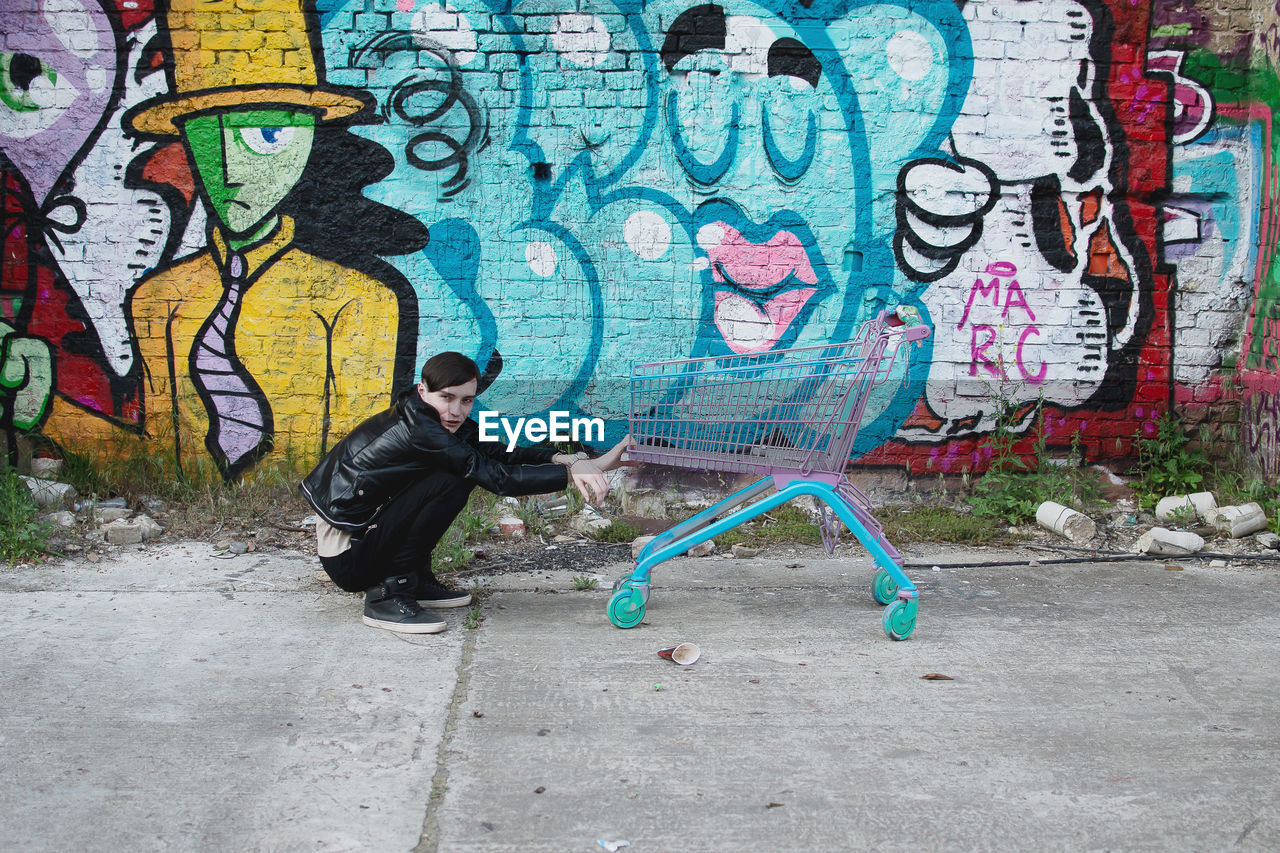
x,y
747,325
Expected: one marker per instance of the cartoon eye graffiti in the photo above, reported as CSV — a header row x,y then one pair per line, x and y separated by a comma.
x,y
26,83
266,140
703,131
795,73
703,136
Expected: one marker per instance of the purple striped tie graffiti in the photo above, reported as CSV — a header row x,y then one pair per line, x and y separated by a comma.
x,y
239,418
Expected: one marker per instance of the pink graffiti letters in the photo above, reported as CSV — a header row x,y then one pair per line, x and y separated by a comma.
x,y
1013,298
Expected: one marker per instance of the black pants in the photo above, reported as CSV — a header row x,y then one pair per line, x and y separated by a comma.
x,y
400,540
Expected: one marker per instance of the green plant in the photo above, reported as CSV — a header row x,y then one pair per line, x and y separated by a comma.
x,y
474,617
1166,463
618,531
528,513
453,551
479,591
574,500
1014,487
787,524
22,537
933,523
583,583
198,499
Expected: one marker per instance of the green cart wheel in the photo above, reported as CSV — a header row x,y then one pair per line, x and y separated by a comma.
x,y
626,582
883,589
900,619
626,608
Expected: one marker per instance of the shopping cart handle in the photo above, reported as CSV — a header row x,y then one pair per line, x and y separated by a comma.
x,y
905,320
916,334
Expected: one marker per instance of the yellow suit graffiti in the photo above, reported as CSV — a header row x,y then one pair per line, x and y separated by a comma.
x,y
318,340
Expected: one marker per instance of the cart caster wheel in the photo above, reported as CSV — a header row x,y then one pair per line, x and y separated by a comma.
x,y
883,589
626,608
900,619
626,583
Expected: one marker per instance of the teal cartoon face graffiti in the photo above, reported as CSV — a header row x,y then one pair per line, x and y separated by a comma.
x,y
248,161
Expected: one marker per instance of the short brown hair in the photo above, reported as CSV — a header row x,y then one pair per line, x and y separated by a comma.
x,y
448,369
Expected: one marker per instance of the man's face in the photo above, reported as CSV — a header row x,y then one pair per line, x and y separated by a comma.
x,y
452,404
249,160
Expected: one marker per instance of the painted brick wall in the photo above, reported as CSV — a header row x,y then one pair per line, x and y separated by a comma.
x,y
235,228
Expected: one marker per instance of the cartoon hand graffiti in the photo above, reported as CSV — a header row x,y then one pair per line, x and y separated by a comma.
x,y
26,378
254,342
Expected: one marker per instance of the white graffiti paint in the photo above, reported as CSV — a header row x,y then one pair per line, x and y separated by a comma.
x,y
442,26
1020,310
909,55
541,258
124,230
647,234
581,39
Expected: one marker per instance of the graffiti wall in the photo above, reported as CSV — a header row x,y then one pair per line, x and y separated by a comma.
x,y
233,228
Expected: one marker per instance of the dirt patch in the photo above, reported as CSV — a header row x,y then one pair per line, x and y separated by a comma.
x,y
584,557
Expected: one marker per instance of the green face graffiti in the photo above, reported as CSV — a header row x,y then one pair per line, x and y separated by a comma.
x,y
248,161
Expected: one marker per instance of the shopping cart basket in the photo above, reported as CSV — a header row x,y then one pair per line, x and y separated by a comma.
x,y
789,415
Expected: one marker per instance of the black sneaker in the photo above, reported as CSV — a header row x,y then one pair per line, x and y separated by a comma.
x,y
390,605
432,593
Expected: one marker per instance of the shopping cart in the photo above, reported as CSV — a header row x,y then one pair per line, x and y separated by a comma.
x,y
790,415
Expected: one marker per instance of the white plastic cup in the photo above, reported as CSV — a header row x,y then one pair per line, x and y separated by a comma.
x,y
685,654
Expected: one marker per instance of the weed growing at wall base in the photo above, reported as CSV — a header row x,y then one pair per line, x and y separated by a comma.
x,y
1166,465
22,537
618,531
1013,488
453,551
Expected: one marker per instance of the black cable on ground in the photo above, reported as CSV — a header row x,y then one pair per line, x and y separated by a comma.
x,y
1102,557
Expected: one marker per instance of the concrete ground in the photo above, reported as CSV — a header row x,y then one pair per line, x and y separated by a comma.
x,y
168,700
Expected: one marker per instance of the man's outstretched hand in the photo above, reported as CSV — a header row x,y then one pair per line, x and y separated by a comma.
x,y
588,474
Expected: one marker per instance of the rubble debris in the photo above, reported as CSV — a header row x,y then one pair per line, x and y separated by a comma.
x,y
49,494
152,504
510,525
589,521
150,528
702,549
1240,521
1065,521
1160,540
122,532
1187,508
43,468
131,531
638,544
62,518
108,514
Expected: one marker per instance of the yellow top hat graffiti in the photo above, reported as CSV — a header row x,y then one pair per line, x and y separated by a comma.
x,y
239,53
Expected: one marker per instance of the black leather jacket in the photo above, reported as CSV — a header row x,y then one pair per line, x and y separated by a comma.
x,y
389,451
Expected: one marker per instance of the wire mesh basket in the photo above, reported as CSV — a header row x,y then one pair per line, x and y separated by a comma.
x,y
794,409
